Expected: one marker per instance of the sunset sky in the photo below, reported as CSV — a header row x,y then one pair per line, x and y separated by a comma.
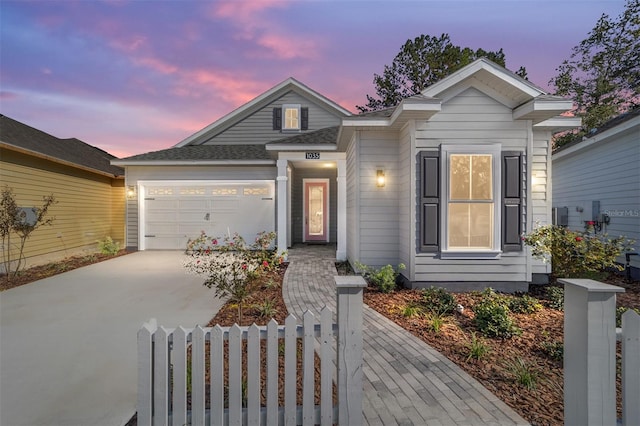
x,y
139,76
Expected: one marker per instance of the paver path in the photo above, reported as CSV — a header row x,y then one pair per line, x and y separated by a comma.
x,y
405,381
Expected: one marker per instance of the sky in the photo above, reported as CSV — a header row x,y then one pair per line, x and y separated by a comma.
x,y
141,75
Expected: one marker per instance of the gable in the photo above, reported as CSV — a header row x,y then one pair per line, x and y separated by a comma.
x,y
257,128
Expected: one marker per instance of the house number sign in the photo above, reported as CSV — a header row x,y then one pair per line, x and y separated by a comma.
x,y
312,155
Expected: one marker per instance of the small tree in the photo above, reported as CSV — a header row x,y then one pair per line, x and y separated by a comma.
x,y
14,221
576,254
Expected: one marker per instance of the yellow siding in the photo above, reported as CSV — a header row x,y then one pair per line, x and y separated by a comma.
x,y
89,206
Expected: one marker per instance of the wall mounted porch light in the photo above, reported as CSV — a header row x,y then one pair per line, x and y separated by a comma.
x,y
380,178
131,192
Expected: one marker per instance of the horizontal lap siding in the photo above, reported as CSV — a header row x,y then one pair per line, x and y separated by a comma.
x,y
89,206
540,191
379,216
608,172
471,118
258,128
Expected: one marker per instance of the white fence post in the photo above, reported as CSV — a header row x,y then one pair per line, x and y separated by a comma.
x,y
349,291
589,352
630,368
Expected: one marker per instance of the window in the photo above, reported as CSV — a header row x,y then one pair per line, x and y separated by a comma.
x,y
470,201
290,117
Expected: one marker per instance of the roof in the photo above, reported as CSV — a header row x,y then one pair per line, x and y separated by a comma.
x,y
204,154
616,125
18,136
326,137
259,102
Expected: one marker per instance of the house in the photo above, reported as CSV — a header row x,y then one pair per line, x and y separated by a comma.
x,y
442,182
89,190
597,179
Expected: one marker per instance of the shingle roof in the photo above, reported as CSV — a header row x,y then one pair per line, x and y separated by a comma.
x,y
205,152
72,150
326,136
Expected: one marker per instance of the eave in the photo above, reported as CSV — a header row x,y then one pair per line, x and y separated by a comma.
x,y
558,124
194,163
538,110
301,147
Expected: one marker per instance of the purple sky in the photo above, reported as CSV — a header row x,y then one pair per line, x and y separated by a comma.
x,y
138,76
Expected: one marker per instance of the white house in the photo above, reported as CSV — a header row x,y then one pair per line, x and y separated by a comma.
x,y
446,182
597,180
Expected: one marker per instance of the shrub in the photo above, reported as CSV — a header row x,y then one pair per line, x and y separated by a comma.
x,y
435,322
554,350
410,310
383,278
576,254
524,304
492,316
438,300
555,296
266,309
108,246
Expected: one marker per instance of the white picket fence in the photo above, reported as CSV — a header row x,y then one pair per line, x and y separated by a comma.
x,y
590,336
164,373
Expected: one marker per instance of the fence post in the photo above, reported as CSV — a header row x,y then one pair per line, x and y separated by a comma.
x,y
349,295
589,352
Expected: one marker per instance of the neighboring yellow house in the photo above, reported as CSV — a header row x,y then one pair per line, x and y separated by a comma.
x,y
89,191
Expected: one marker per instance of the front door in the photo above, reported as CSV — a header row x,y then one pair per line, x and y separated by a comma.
x,y
316,210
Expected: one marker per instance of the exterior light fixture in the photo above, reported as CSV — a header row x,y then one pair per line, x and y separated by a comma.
x,y
131,192
380,178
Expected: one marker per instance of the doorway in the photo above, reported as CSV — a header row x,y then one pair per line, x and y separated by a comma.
x,y
316,210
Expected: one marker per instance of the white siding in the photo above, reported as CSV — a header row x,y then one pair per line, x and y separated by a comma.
x,y
379,216
609,172
258,127
540,191
353,199
473,118
407,206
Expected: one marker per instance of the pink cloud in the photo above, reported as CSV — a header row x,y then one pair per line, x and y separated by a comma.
x,y
128,44
156,65
226,86
289,47
7,96
243,10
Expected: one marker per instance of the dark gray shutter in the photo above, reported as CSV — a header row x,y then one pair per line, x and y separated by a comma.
x,y
304,118
277,118
512,202
429,201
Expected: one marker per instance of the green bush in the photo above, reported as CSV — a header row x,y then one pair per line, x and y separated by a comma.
x,y
554,350
492,316
383,278
524,373
555,296
438,300
524,304
477,348
576,254
108,246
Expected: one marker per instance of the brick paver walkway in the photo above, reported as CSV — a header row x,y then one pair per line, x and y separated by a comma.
x,y
405,381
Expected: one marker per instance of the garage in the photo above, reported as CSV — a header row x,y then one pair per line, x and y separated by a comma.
x,y
173,212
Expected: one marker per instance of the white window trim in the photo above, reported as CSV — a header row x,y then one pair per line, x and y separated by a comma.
x,y
284,117
496,151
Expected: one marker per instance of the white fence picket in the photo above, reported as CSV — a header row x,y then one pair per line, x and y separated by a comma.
x,y
145,374
217,375
161,378
235,375
290,385
179,358
630,368
253,376
326,367
197,376
272,372
308,370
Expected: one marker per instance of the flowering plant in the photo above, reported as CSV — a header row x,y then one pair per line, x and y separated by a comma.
x,y
576,254
229,265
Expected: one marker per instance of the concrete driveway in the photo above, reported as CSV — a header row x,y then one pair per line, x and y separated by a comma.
x,y
68,343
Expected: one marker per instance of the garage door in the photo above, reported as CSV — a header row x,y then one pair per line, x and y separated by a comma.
x,y
174,212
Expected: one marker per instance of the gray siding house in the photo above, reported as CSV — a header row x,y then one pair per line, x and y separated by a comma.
x,y
598,179
446,182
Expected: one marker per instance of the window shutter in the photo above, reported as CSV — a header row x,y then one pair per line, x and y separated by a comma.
x,y
512,202
277,118
429,201
304,118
